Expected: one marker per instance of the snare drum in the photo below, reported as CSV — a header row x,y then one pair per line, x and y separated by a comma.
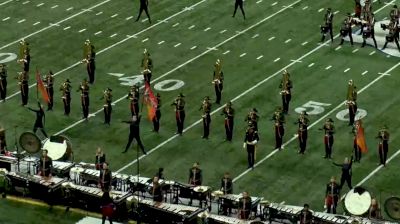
x,y
28,165
75,174
357,201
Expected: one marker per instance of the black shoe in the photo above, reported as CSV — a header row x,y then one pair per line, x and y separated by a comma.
x,y
125,151
144,152
325,157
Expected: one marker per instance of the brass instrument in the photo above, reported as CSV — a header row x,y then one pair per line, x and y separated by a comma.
x,y
285,83
87,49
23,49
107,96
217,72
351,93
146,62
21,77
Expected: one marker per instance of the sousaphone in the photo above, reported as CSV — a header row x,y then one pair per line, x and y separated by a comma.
x,y
30,142
392,208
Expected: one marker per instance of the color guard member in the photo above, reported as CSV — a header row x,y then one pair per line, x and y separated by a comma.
x,y
133,96
286,85
144,4
279,120
346,172
156,119
206,108
332,196
239,3
356,148
84,88
49,81
40,119
134,133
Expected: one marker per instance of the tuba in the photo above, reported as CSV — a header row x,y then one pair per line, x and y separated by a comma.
x,y
145,60
87,49
350,93
217,72
285,83
23,47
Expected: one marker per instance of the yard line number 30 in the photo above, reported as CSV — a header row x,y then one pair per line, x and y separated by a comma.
x,y
315,108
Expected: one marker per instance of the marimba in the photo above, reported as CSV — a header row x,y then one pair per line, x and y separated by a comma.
x,y
231,201
321,217
62,169
224,219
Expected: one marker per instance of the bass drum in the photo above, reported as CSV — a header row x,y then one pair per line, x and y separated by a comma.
x,y
357,201
392,208
59,148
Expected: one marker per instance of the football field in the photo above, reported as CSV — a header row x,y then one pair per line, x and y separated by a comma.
x,y
185,39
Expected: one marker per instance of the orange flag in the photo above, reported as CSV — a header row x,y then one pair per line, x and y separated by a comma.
x,y
360,137
150,101
40,87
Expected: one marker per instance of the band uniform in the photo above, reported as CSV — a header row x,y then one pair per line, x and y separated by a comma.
x,y
302,132
286,85
250,143
133,96
66,96
107,107
157,117
332,196
3,82
229,114
179,104
218,81
327,27
383,145
84,88
329,130
49,82
279,129
206,110
24,87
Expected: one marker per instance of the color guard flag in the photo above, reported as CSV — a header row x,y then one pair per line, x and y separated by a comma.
x,y
40,87
360,137
150,100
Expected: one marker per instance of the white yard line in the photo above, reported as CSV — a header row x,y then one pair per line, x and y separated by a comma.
x,y
316,122
310,65
194,47
277,59
234,99
259,57
242,55
80,31
3,3
271,38
365,72
22,20
328,67
5,19
177,45
226,52
161,42
347,69
37,23
48,27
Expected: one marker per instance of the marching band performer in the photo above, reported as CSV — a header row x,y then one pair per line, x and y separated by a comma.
x,y
302,132
229,114
100,158
66,96
40,119
23,86
356,148
133,96
206,108
394,13
179,104
147,66
327,27
332,196
45,165
3,143
366,11
351,101
239,3
374,211
144,4
49,81
84,88
252,119
329,129
286,85
218,79
346,172
134,133
306,216
369,31
89,58
156,190
226,188
157,117
383,145
244,209
279,120
3,82
250,143
393,35
26,60
346,29
195,175
105,178
107,108
357,9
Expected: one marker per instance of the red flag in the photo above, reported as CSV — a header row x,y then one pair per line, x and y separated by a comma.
x,y
360,137
41,88
151,101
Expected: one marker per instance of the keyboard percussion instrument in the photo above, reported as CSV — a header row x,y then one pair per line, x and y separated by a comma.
x,y
231,201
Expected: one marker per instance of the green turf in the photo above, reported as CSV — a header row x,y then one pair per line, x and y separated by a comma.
x,y
284,176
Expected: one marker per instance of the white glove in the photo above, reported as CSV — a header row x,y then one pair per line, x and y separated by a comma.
x,y
324,206
244,145
254,142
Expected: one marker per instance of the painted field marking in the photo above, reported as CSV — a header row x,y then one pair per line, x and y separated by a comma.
x,y
70,8
144,20
287,41
328,67
277,59
259,1
234,99
3,3
66,28
372,53
40,4
222,31
37,23
316,122
321,9
305,7
80,31
347,69
310,65
22,20
191,27
271,38
54,6
338,48
176,45
274,3
336,12
115,34
226,52
207,29
115,15
25,2
98,32
212,48
255,35
242,55
259,57
176,24
128,18
161,42
296,61
304,43
194,47
5,19
365,72
355,50
99,13
144,40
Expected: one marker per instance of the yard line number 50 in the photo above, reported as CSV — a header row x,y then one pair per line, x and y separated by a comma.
x,y
165,85
315,108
